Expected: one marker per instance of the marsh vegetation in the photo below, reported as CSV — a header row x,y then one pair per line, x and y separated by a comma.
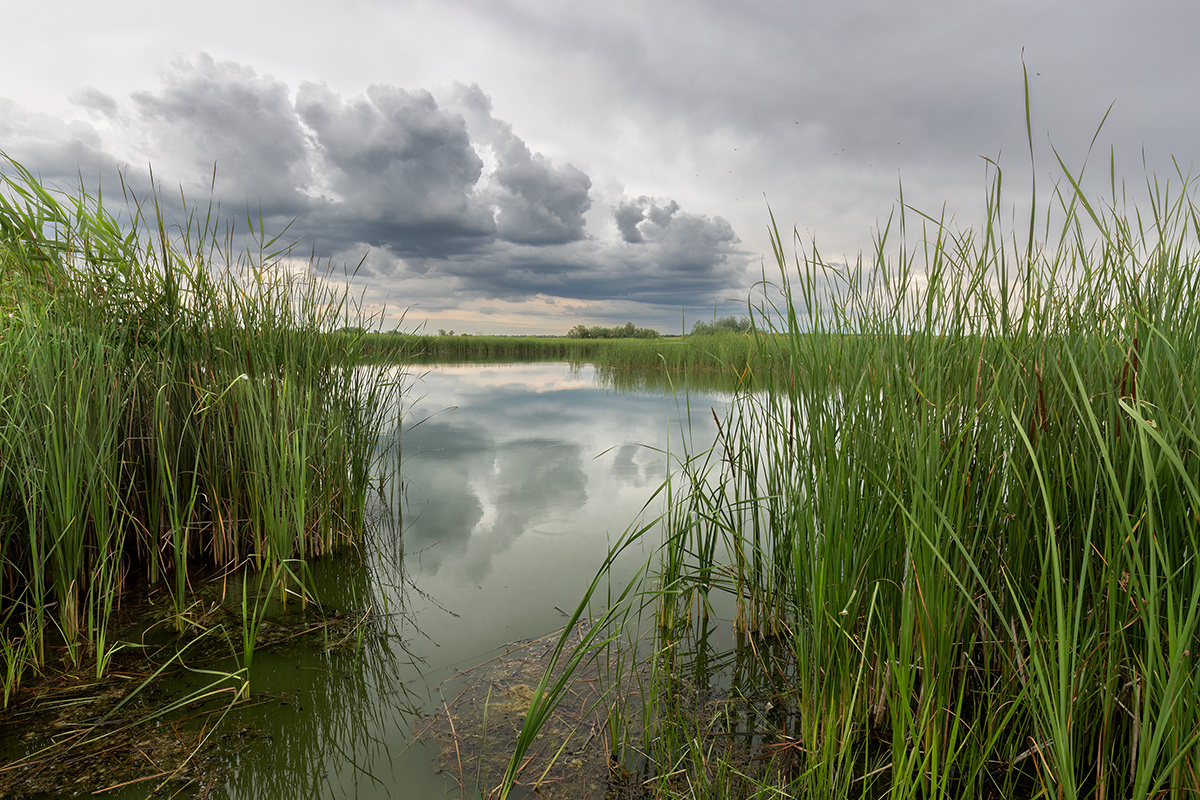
x,y
174,406
946,546
726,353
944,543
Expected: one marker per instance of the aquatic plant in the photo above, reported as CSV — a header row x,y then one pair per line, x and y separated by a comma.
x,y
173,400
730,355
954,529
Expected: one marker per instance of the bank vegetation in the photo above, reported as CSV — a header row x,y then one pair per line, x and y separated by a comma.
x,y
173,404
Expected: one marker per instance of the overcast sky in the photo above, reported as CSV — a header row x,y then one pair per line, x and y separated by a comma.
x,y
509,166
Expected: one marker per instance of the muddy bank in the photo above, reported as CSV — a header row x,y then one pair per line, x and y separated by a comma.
x,y
484,708
160,718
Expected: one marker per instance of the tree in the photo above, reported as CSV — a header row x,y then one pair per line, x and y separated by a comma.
x,y
626,331
723,325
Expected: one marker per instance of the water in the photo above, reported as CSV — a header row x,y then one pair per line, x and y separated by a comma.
x,y
516,480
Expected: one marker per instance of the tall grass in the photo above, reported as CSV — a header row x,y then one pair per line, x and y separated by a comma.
x,y
956,533
726,353
172,401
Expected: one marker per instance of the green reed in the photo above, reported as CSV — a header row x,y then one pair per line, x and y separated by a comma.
x,y
954,525
729,354
173,401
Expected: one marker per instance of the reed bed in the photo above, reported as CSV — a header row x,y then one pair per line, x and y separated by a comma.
x,y
173,401
951,536
729,353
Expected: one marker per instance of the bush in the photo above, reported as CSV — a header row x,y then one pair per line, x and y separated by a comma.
x,y
722,325
626,331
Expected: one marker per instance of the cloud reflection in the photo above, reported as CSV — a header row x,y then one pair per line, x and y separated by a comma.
x,y
518,450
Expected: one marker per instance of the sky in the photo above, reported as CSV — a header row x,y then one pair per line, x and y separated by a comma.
x,y
524,166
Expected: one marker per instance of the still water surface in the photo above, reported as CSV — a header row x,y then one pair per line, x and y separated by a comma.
x,y
515,481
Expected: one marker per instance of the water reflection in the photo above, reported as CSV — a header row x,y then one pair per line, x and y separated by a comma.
x,y
499,459
629,470
515,481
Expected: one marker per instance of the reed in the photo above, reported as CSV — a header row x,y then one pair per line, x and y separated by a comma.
x,y
729,354
173,401
954,527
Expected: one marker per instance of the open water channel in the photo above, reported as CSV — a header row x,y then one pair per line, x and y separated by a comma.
x,y
515,480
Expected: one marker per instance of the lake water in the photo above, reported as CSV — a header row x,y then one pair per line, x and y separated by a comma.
x,y
515,481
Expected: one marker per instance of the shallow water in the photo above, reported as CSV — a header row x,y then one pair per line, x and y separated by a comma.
x,y
516,479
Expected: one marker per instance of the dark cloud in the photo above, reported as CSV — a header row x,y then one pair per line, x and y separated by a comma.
x,y
536,202
539,203
539,243
628,215
432,202
224,116
824,110
661,216
821,110
701,248
95,100
403,171
681,258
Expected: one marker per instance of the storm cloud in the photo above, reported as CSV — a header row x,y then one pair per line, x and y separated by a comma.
x,y
402,171
225,117
536,202
469,152
437,202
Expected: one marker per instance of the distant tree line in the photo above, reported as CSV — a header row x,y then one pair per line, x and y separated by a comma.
x,y
626,331
722,325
